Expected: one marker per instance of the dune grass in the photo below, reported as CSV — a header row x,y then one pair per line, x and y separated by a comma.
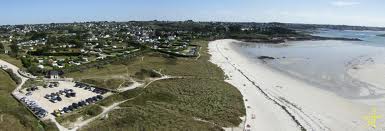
x,y
112,83
11,60
178,104
85,113
199,99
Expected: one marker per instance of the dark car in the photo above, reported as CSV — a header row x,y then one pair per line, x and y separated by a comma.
x,y
80,104
73,94
70,108
99,97
65,109
75,105
59,98
103,92
95,98
89,100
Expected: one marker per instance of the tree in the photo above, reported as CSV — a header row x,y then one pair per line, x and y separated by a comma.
x,y
14,49
37,35
52,41
77,43
235,28
26,62
1,48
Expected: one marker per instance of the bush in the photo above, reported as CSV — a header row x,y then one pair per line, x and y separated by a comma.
x,y
13,76
144,73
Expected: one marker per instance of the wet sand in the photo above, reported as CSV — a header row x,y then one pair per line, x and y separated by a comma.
x,y
277,101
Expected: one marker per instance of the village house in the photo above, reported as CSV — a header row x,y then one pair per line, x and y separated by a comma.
x,y
53,75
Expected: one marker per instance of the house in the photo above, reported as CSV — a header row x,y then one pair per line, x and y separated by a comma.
x,y
53,74
40,66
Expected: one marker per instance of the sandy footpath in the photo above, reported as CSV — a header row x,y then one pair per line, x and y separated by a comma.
x,y
277,102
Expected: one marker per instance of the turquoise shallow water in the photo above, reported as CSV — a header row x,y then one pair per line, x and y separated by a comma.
x,y
369,37
323,63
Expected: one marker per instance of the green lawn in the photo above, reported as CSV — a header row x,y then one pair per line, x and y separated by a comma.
x,y
14,116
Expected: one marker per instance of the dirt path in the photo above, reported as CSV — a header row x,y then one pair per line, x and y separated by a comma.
x,y
78,125
106,110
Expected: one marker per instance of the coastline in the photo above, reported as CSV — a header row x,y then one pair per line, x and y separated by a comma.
x,y
276,101
278,40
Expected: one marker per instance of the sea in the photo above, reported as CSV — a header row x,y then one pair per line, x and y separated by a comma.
x,y
324,63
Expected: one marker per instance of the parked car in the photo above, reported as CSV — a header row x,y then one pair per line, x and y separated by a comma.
x,y
99,97
75,105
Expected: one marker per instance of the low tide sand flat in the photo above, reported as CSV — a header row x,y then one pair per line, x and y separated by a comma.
x,y
276,101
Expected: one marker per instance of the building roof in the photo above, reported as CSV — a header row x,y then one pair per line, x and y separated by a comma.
x,y
53,73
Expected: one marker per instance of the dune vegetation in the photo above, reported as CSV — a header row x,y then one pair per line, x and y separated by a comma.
x,y
196,98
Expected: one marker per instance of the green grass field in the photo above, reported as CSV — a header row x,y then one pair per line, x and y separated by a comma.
x,y
14,116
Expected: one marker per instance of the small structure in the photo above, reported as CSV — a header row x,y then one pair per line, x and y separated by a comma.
x,y
53,75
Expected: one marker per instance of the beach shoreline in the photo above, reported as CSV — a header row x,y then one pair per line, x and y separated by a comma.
x,y
275,101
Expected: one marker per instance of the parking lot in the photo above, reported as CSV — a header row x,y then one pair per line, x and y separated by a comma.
x,y
64,94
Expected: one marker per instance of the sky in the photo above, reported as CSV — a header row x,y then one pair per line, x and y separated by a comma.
x,y
347,12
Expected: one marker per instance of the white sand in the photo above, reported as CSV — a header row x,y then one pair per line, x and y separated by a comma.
x,y
370,73
374,75
313,108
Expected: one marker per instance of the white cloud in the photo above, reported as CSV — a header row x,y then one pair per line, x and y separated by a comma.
x,y
345,3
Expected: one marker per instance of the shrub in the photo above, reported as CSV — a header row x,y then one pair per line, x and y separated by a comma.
x,y
13,76
144,73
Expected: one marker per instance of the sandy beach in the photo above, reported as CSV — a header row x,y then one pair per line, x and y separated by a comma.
x,y
370,73
373,74
276,102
